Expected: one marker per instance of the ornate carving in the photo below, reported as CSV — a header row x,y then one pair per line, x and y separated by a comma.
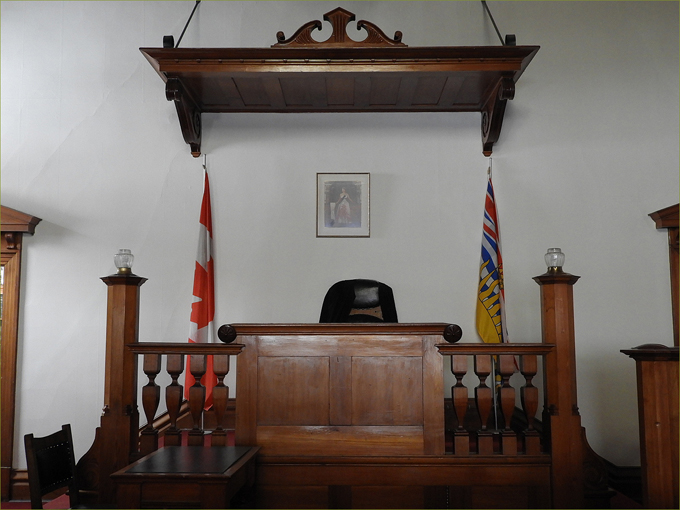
x,y
339,18
11,239
493,112
188,112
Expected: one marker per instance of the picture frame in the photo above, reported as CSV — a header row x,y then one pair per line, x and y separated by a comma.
x,y
343,204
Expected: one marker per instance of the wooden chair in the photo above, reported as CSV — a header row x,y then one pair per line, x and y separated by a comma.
x,y
51,466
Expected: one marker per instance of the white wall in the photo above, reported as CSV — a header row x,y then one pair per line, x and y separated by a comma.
x,y
589,147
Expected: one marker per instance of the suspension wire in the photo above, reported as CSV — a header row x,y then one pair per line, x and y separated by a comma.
x,y
493,21
189,21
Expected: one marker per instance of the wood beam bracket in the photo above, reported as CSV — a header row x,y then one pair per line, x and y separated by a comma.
x,y
188,112
493,112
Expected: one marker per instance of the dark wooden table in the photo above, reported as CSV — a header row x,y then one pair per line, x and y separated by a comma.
x,y
186,477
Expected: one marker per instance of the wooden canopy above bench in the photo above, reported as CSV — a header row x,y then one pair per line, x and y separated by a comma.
x,y
378,74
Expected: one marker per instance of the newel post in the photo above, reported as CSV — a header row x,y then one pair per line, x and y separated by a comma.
x,y
120,416
561,417
117,437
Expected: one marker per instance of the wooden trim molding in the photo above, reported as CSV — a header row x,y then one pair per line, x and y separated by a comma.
x,y
10,321
14,225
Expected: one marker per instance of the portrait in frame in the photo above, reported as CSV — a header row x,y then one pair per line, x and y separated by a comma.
x,y
342,205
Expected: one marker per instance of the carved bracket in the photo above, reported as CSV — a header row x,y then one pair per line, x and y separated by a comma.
x,y
493,112
339,18
12,239
188,113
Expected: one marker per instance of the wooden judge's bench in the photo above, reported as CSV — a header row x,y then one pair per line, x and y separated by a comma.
x,y
352,416
370,415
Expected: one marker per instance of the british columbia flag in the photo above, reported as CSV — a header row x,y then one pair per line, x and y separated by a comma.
x,y
490,293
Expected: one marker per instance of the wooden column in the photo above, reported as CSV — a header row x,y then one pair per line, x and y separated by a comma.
x,y
657,386
561,416
116,441
668,218
14,225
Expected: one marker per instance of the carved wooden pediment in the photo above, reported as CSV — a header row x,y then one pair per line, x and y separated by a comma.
x,y
339,18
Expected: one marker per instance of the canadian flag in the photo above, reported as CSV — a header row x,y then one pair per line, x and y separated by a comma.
x,y
203,305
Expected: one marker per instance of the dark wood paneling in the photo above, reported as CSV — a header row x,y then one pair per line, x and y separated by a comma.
x,y
384,90
293,497
341,390
429,90
387,391
340,440
252,91
293,391
340,90
387,497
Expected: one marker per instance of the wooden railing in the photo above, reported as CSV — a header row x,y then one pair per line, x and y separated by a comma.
x,y
175,354
495,398
482,360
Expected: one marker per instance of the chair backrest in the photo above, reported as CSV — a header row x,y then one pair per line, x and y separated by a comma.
x,y
359,301
51,465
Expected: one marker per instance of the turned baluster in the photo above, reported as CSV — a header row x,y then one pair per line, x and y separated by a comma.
x,y
173,399
220,399
484,399
529,396
197,399
459,393
506,367
151,395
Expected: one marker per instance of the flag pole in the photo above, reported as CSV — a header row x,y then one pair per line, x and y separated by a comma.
x,y
489,174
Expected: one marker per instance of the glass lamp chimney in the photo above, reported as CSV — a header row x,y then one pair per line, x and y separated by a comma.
x,y
123,261
554,259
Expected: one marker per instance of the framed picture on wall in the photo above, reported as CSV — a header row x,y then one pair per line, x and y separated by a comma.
x,y
342,205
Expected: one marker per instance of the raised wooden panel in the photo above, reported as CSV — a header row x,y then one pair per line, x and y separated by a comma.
x,y
387,391
293,391
337,345
450,92
310,94
252,91
384,91
340,91
293,497
388,497
429,90
340,441
341,384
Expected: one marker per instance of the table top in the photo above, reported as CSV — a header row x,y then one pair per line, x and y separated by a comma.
x,y
189,459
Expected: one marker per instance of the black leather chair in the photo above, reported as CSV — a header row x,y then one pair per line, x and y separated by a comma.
x,y
51,466
359,301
